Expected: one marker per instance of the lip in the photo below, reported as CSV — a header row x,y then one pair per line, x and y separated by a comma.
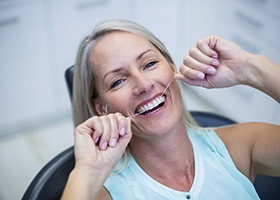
x,y
150,100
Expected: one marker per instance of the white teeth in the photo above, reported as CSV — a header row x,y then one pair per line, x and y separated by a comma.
x,y
151,105
155,103
145,108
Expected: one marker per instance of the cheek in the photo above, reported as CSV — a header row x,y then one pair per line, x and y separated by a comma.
x,y
164,74
176,95
118,102
167,78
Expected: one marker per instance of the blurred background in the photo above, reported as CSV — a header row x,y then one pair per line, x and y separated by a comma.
x,y
39,40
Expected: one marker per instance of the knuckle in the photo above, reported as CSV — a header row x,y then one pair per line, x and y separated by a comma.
x,y
199,43
104,119
187,60
94,118
193,51
119,115
80,128
110,115
184,69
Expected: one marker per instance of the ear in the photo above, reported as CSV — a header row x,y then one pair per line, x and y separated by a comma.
x,y
99,107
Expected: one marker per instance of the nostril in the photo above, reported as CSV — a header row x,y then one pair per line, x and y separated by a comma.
x,y
142,85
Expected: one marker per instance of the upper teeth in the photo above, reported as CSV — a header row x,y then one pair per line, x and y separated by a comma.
x,y
151,105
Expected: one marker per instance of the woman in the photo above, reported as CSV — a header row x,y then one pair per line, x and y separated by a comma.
x,y
127,99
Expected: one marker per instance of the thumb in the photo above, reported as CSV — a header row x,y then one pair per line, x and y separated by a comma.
x,y
181,77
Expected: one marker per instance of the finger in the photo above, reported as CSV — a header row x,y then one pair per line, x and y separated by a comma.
x,y
194,68
123,124
190,72
201,83
199,56
114,135
189,81
80,133
203,58
93,125
80,129
207,46
106,132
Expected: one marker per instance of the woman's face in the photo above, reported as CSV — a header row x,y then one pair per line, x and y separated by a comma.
x,y
131,75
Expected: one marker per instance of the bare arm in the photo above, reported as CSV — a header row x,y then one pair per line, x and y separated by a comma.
x,y
263,74
266,150
254,148
87,185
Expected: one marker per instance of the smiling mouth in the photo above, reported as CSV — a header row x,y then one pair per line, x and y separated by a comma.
x,y
151,107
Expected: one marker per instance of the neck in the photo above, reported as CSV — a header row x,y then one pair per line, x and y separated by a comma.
x,y
166,159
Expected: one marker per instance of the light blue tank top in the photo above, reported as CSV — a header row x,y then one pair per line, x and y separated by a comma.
x,y
216,176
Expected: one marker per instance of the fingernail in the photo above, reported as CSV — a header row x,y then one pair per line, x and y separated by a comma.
x,y
215,63
200,75
113,142
122,132
211,70
96,140
214,56
104,145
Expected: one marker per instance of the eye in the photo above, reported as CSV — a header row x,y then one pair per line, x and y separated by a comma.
x,y
117,83
150,64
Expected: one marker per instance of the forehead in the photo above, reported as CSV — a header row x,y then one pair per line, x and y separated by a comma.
x,y
121,40
118,47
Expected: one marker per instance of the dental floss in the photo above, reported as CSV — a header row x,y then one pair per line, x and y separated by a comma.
x,y
200,89
106,109
135,114
160,95
167,86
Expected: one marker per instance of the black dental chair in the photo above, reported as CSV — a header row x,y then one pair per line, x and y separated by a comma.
x,y
49,183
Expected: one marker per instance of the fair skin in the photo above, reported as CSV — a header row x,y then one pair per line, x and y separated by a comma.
x,y
160,145
138,85
231,66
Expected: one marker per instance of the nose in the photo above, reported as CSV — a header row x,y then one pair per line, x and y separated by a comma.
x,y
142,84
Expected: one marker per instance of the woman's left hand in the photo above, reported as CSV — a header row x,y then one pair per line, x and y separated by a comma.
x,y
215,61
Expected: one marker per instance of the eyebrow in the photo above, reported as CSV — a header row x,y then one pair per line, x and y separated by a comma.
x,y
121,68
143,53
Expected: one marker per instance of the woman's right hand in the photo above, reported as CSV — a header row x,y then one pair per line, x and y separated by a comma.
x,y
101,141
99,144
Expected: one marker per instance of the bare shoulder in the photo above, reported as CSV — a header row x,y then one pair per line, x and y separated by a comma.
x,y
249,130
239,140
104,194
247,143
245,135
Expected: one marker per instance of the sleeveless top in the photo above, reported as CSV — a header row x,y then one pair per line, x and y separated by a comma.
x,y
216,176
